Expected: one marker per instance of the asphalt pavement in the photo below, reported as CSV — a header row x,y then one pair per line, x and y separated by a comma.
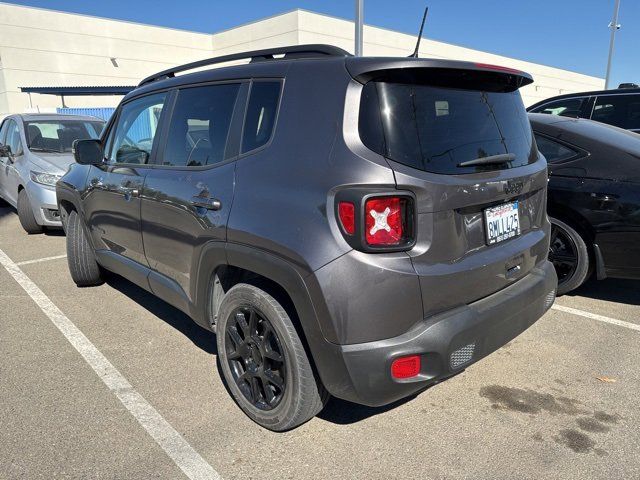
x,y
560,401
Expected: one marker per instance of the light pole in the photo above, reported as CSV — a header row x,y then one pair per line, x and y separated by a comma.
x,y
614,26
359,15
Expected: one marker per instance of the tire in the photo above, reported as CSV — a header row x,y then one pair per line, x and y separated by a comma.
x,y
25,214
565,243
84,269
301,396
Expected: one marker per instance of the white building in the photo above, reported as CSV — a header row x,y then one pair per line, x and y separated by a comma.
x,y
49,48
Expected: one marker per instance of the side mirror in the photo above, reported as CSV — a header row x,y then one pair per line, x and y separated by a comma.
x,y
5,151
88,152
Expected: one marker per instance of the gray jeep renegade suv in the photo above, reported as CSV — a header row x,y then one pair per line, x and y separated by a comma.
x,y
356,227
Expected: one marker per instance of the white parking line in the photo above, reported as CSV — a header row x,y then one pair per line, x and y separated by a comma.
x,y
38,260
595,316
183,454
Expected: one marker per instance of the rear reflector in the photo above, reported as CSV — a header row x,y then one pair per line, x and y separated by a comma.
x,y
384,221
347,213
405,367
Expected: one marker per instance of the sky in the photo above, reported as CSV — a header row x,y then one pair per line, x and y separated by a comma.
x,y
569,34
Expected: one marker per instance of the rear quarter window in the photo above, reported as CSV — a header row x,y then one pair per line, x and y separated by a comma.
x,y
553,151
436,129
262,111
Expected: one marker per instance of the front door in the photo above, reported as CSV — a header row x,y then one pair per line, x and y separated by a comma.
x,y
112,206
187,197
3,160
9,178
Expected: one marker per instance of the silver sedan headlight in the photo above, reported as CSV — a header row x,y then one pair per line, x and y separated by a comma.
x,y
45,178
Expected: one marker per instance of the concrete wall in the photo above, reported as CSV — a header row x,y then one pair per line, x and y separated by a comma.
x,y
47,48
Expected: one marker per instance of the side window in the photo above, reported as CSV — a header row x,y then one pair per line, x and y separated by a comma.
x,y
13,138
131,139
554,151
620,110
261,114
568,107
200,124
3,131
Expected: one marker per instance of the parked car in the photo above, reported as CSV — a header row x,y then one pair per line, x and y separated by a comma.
x,y
35,151
594,198
620,107
360,227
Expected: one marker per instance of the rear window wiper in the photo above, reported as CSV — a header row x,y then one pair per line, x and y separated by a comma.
x,y
493,159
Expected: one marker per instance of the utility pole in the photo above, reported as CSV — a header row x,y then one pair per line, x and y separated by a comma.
x,y
359,15
614,26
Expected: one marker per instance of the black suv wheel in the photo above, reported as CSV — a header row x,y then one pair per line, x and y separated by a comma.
x,y
264,362
83,267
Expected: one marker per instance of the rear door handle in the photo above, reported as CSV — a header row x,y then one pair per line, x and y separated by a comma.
x,y
206,202
603,197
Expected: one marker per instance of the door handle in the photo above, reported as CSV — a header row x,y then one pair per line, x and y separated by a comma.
x,y
603,197
129,191
206,202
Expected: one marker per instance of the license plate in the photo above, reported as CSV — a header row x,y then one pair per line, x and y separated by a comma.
x,y
501,222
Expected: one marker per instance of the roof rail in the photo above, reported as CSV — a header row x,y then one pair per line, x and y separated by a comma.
x,y
295,51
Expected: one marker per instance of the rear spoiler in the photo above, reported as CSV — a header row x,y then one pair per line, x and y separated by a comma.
x,y
437,72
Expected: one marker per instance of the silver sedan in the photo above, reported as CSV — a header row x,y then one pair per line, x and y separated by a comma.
x,y
35,151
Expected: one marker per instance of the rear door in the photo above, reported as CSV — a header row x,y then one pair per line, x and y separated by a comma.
x,y
112,205
480,226
188,195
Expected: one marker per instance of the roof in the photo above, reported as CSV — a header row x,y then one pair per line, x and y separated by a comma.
x,y
612,91
80,91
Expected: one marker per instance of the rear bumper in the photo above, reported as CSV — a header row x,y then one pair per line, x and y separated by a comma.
x,y
448,342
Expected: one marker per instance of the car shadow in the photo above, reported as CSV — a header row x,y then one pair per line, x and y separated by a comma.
x,y
337,411
342,412
611,290
201,338
6,210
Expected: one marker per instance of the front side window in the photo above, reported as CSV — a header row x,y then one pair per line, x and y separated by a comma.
x,y
619,110
58,135
200,124
261,115
568,107
553,151
3,132
13,138
131,139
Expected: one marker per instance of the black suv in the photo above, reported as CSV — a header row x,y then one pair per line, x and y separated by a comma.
x,y
360,227
620,108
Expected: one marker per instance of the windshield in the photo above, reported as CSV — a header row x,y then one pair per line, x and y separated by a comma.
x,y
57,136
436,129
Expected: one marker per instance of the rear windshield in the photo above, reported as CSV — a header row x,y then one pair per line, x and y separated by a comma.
x,y
435,129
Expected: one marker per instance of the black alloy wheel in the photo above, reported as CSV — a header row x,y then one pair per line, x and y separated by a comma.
x,y
563,253
256,358
569,254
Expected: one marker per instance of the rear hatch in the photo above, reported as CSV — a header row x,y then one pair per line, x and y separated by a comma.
x,y
458,137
